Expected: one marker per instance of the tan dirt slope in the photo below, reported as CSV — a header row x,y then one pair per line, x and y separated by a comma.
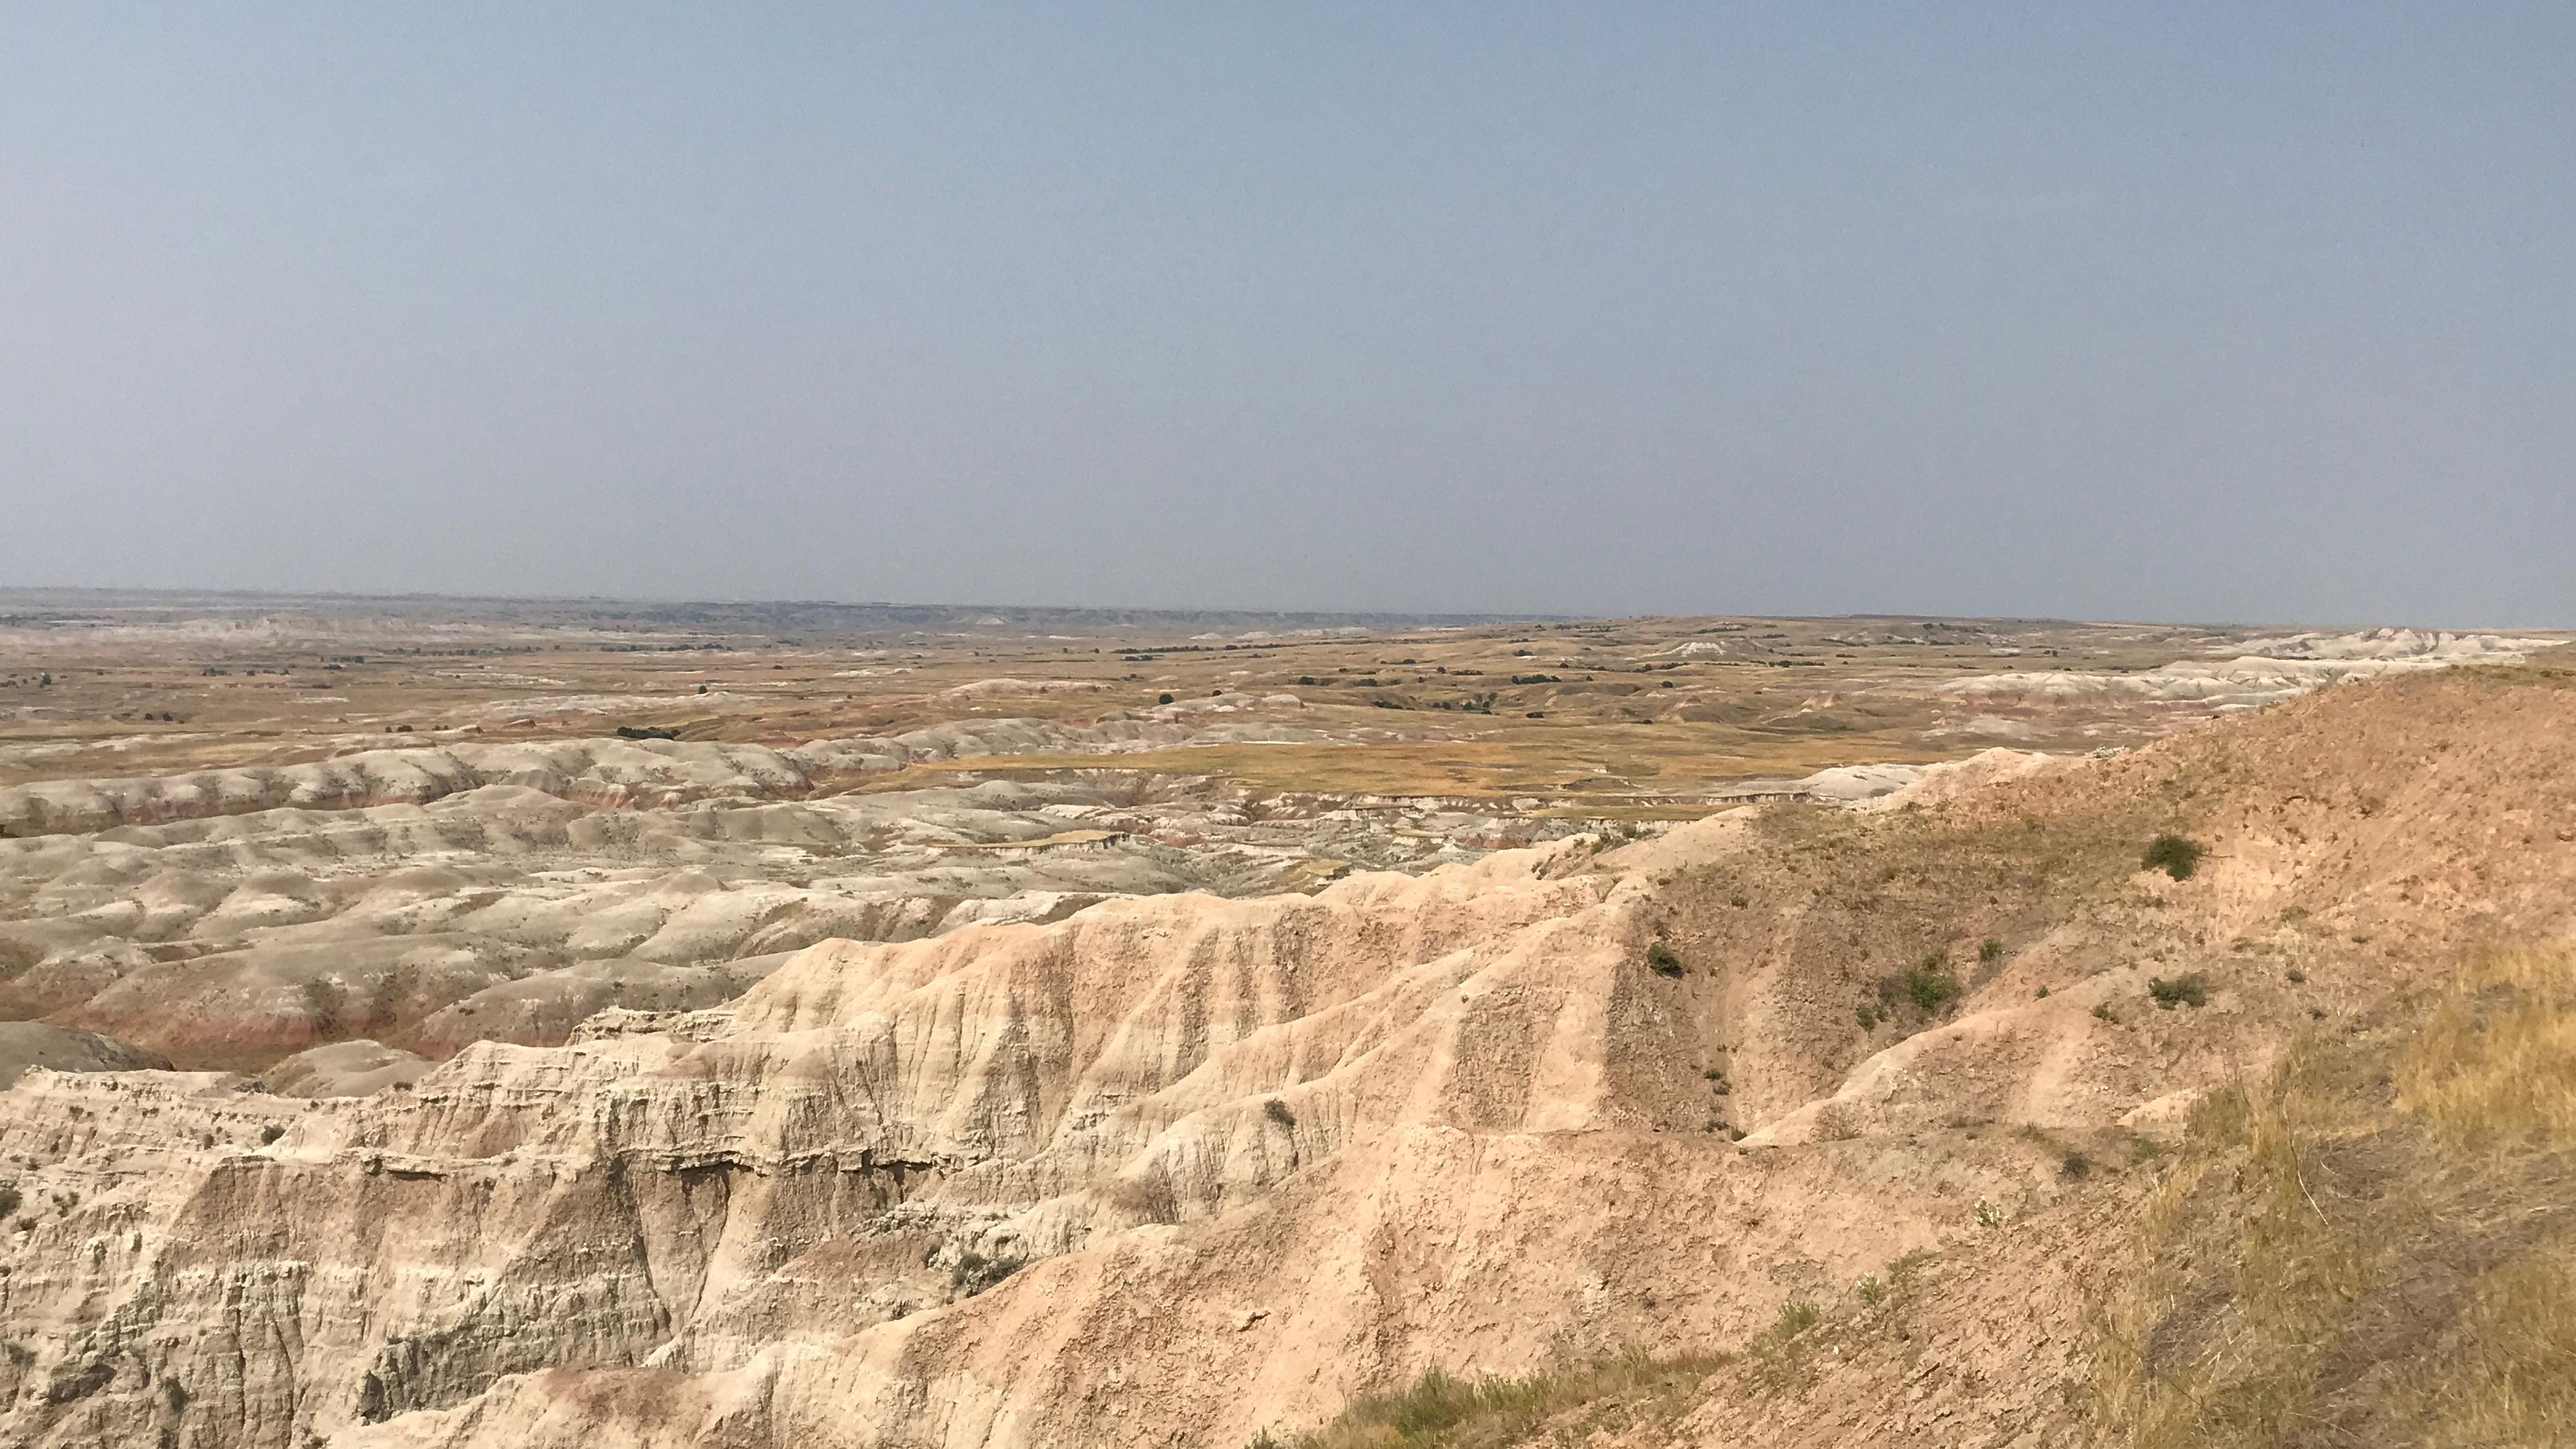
x,y
1178,1170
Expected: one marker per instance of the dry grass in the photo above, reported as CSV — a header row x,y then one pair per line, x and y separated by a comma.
x,y
1441,1409
2516,1385
2492,1069
2335,1262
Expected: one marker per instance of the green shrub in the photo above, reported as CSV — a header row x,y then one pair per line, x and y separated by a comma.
x,y
1661,958
1931,984
1990,952
2175,855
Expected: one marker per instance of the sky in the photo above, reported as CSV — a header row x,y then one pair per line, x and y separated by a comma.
x,y
2176,311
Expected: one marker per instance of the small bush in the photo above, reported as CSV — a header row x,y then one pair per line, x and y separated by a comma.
x,y
2191,989
1661,957
974,1272
1866,1015
2076,1166
2041,993
2175,855
1871,1290
1990,951
1279,1112
2103,1013
267,1135
2297,976
646,732
1931,983
1164,699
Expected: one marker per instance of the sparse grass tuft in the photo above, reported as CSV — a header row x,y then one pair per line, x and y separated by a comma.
x,y
1794,1319
1441,1408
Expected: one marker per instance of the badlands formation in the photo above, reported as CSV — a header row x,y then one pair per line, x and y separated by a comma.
x,y
1071,1031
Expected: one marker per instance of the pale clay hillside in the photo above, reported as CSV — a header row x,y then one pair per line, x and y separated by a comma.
x,y
460,1029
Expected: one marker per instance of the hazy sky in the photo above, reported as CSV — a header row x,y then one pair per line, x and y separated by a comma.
x,y
2226,312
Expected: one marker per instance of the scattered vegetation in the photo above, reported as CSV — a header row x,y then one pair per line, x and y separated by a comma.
x,y
646,732
1661,958
2175,855
1989,951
